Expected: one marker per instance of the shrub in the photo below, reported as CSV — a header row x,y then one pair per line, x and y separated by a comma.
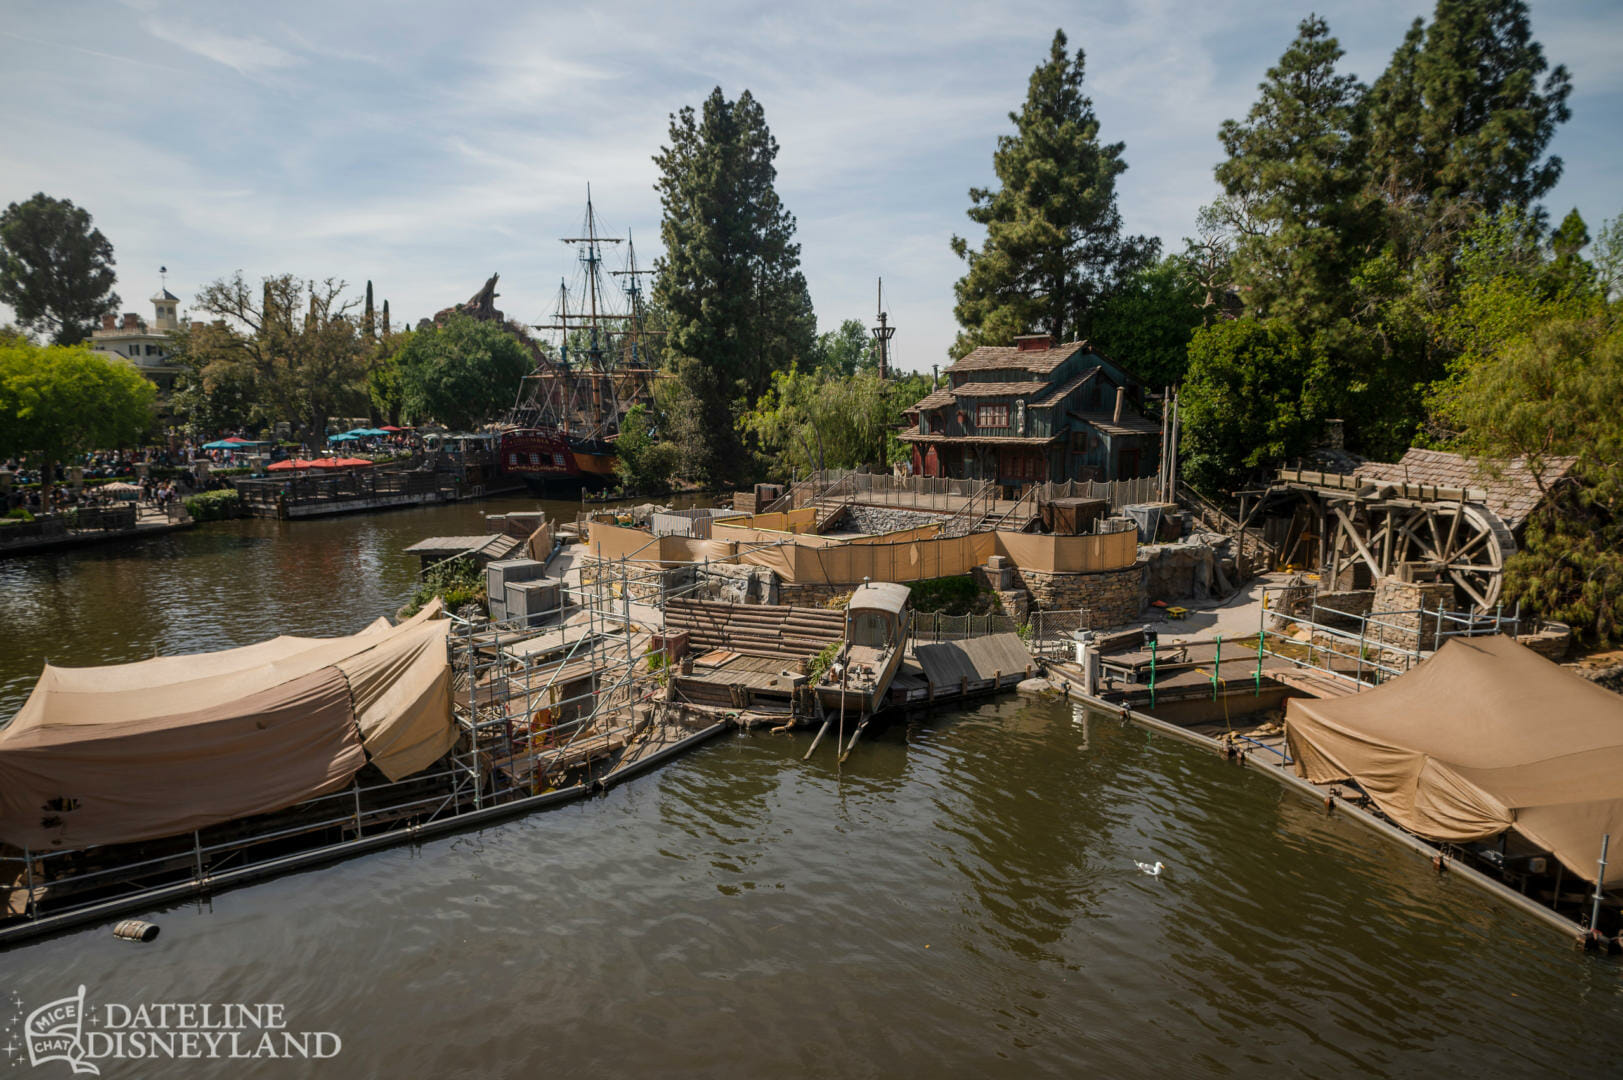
x,y
214,505
457,583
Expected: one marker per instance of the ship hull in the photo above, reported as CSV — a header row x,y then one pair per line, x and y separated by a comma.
x,y
550,462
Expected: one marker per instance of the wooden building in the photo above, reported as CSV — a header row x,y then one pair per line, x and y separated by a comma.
x,y
1031,412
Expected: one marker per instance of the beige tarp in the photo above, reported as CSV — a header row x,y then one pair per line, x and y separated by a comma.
x,y
401,689
818,560
135,751
1483,736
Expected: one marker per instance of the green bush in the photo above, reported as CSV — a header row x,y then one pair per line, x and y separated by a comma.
x,y
20,514
958,595
214,505
457,583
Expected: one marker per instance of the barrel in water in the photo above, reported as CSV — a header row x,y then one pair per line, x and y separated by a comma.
x,y
136,930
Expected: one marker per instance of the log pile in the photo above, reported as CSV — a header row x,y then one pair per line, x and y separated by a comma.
x,y
754,629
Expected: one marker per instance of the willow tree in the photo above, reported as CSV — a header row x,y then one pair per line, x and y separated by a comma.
x,y
1054,244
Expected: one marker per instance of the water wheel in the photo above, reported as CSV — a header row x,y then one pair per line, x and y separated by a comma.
x,y
1463,543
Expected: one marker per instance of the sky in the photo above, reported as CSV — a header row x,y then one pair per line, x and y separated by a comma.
x,y
424,145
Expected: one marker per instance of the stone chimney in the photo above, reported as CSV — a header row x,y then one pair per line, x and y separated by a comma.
x,y
196,326
132,321
1034,342
109,322
1121,403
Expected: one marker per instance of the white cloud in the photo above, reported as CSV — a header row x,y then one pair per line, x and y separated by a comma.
x,y
245,55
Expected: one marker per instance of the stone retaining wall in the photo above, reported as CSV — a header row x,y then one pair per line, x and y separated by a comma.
x,y
1111,597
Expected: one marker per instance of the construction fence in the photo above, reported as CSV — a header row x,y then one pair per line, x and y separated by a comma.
x,y
821,561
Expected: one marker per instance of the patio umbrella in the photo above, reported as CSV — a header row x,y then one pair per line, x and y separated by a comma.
x,y
221,444
289,463
341,463
238,440
348,436
392,430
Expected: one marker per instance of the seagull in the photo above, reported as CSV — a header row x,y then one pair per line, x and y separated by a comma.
x,y
1153,871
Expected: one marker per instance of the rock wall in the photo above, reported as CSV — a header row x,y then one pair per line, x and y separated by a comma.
x,y
875,519
1394,614
809,595
1111,597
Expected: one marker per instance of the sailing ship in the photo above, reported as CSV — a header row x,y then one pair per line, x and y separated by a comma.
x,y
566,418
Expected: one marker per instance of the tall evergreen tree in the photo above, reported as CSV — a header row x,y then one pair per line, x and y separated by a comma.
x,y
1294,186
1053,233
1461,113
730,285
56,269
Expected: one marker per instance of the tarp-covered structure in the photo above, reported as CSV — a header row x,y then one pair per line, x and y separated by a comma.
x,y
107,755
1483,736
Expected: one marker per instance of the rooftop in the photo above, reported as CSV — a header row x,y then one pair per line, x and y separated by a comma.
x,y
1512,494
1014,358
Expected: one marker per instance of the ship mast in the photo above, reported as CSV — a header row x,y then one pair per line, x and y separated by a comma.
x,y
592,256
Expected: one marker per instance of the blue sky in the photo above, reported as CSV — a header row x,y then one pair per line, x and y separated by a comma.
x,y
425,144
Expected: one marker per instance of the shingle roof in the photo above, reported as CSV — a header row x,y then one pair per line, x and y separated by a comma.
x,y
1130,423
1062,392
1512,494
999,389
1011,358
935,398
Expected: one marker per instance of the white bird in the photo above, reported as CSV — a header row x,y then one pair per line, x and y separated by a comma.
x,y
1153,871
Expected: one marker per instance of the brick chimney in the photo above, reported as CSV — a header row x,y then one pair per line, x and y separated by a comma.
x,y
132,321
196,326
109,322
1034,342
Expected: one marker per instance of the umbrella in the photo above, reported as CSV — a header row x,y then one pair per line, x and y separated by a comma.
x,y
220,444
288,463
392,430
238,440
341,463
348,436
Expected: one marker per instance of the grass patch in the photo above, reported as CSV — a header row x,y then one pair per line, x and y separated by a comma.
x,y
959,595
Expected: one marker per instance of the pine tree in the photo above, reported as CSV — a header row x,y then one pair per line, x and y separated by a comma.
x,y
1294,185
1460,114
729,284
1053,243
368,324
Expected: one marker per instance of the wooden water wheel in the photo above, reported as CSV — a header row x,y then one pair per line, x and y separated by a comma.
x,y
1463,543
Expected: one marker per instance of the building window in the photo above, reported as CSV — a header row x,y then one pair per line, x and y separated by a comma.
x,y
992,416
135,350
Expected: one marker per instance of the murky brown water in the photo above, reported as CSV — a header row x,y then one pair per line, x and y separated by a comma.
x,y
959,900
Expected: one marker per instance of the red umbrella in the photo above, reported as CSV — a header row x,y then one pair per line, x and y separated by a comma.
x,y
391,427
340,463
240,439
289,464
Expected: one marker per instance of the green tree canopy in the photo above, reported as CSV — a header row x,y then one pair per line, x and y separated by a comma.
x,y
1248,401
1053,243
1147,321
58,401
820,420
462,373
846,351
56,268
291,347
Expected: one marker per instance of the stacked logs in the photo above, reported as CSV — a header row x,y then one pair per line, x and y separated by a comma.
x,y
758,630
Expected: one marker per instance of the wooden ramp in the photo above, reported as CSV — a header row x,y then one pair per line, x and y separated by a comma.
x,y
949,663
1312,683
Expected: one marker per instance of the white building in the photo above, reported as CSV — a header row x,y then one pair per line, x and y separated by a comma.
x,y
130,338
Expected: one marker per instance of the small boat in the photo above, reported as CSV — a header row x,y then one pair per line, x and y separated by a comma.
x,y
876,624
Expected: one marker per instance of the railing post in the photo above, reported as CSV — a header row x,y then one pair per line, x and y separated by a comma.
x,y
1600,880
28,875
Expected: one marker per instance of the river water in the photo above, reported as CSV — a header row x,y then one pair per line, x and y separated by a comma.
x,y
960,899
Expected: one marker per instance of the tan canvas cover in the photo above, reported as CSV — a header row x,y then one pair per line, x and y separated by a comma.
x,y
135,751
1483,736
401,689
